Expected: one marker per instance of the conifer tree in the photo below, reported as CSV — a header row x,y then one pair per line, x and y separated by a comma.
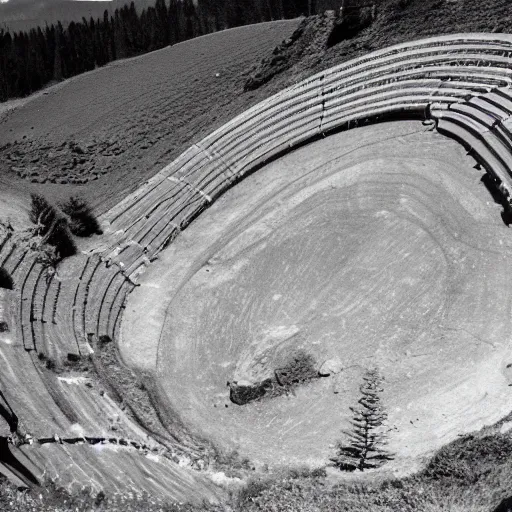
x,y
83,222
51,227
57,62
363,447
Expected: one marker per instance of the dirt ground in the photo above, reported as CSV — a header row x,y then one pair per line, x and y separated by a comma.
x,y
377,246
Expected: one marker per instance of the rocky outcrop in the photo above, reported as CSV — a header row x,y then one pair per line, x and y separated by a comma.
x,y
308,40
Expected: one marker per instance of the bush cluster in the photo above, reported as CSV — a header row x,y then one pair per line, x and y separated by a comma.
x,y
350,23
6,279
82,221
298,369
52,226
56,225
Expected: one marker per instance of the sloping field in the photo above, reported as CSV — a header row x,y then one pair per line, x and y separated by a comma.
x,y
377,246
110,129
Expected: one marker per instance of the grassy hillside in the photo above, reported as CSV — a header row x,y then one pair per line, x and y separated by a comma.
x,y
103,133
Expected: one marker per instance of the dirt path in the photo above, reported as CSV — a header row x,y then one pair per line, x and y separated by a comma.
x,y
375,246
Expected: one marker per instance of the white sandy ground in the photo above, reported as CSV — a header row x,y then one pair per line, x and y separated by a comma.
x,y
376,246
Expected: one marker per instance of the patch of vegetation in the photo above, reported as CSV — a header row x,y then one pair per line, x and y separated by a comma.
x,y
73,362
241,394
83,222
392,22
104,339
51,498
42,213
48,362
300,368
140,399
472,474
51,228
350,23
258,485
470,459
231,463
6,279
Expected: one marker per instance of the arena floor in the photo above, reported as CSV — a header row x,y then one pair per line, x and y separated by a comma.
x,y
376,247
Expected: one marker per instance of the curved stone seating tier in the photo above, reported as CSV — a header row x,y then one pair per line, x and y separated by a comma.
x,y
483,126
482,103
505,93
6,237
500,101
117,307
382,58
28,270
482,117
208,187
110,294
49,300
471,142
15,259
82,293
461,81
98,285
110,464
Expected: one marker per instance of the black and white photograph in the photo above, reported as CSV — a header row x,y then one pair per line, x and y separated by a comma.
x,y
255,256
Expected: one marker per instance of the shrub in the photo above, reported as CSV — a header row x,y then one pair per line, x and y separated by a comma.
x,y
61,239
353,21
242,394
6,279
298,369
253,488
83,222
468,459
42,214
52,227
104,339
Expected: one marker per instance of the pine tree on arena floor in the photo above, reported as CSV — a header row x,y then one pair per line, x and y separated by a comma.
x,y
365,441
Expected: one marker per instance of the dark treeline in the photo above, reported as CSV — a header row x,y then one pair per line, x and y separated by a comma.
x,y
30,60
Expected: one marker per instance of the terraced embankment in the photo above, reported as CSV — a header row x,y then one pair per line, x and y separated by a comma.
x,y
462,81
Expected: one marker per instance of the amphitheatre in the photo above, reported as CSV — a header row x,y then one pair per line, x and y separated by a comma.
x,y
358,215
